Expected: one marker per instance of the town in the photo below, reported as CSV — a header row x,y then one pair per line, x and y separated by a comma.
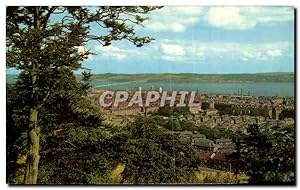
x,y
233,113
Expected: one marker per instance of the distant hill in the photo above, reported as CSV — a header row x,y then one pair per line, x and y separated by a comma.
x,y
186,77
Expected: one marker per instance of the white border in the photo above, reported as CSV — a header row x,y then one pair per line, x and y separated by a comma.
x,y
150,2
4,3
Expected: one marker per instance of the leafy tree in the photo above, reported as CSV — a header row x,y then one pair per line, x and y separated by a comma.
x,y
270,154
16,118
74,156
216,132
43,40
188,126
172,111
154,156
159,120
86,80
66,108
85,155
173,124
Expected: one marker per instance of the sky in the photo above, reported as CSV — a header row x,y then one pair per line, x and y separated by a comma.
x,y
194,39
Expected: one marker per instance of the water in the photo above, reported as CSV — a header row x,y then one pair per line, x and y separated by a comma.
x,y
256,89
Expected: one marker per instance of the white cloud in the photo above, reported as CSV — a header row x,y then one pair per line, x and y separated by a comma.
x,y
228,17
247,54
267,51
81,50
244,59
173,49
193,51
199,54
157,26
175,19
178,19
247,17
274,53
171,58
177,27
111,52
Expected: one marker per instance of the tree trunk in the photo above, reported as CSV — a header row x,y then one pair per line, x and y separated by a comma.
x,y
33,158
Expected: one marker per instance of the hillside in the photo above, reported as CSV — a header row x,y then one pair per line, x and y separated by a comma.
x,y
205,78
187,77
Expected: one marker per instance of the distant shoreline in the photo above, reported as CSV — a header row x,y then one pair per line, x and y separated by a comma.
x,y
270,84
190,77
187,77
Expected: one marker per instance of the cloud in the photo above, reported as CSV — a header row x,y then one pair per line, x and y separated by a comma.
x,y
228,17
247,54
244,59
157,26
193,51
173,49
175,19
81,50
178,19
177,27
111,52
274,53
199,54
242,18
267,51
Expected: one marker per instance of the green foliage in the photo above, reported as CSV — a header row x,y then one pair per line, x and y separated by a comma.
x,y
95,178
188,126
34,38
46,51
86,80
73,155
16,119
270,155
172,111
155,156
65,107
159,120
173,124
216,132
87,155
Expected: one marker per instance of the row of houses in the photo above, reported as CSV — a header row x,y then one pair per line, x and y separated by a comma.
x,y
201,143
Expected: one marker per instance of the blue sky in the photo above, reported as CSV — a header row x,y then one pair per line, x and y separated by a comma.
x,y
193,39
